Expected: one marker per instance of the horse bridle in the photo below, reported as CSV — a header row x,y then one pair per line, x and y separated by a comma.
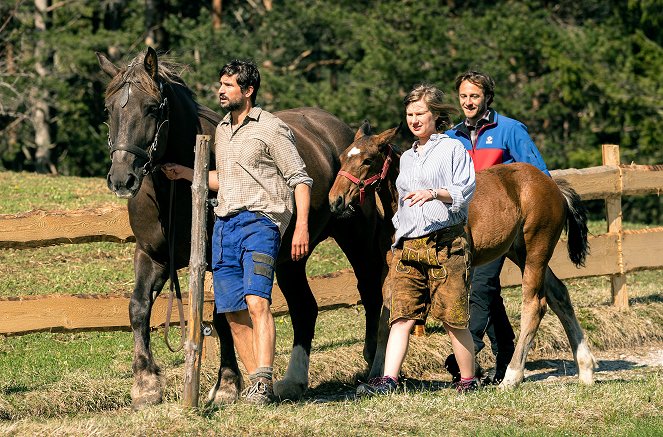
x,y
148,155
375,179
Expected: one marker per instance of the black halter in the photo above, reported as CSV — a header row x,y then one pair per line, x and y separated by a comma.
x,y
162,120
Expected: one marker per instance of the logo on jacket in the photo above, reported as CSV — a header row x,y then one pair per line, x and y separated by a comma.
x,y
489,140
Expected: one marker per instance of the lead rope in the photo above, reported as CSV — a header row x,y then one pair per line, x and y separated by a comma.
x,y
174,281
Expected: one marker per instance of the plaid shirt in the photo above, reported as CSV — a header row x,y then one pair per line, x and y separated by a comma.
x,y
258,167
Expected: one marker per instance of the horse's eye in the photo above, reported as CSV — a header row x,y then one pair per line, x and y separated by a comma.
x,y
152,111
367,162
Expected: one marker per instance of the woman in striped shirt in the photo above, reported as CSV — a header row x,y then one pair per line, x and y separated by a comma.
x,y
429,272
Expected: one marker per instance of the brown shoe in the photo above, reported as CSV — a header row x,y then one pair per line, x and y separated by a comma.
x,y
261,392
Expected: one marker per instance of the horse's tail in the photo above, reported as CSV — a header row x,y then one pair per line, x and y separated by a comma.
x,y
576,224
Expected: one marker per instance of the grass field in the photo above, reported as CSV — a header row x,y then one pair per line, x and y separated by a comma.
x,y
79,383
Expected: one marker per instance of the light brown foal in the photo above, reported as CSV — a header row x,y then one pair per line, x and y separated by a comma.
x,y
516,210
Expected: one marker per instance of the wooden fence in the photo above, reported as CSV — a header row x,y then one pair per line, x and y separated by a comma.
x,y
615,253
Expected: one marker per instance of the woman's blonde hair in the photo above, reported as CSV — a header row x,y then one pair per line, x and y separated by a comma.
x,y
433,97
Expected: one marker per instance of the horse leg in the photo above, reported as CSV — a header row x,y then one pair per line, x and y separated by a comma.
x,y
303,308
364,254
532,312
377,368
150,278
560,302
229,383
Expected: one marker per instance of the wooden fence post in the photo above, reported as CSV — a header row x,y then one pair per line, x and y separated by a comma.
x,y
197,264
613,209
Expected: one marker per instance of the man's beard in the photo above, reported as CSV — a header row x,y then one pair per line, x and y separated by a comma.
x,y
232,105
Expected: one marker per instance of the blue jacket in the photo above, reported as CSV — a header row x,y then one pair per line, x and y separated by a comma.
x,y
501,140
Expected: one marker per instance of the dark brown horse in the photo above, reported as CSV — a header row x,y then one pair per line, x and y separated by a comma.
x,y
153,118
516,210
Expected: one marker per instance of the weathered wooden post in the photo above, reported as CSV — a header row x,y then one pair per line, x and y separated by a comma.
x,y
197,265
613,211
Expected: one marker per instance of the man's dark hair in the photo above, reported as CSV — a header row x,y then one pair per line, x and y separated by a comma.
x,y
482,80
247,75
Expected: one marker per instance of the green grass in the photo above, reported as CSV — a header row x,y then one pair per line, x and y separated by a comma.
x,y
21,192
78,384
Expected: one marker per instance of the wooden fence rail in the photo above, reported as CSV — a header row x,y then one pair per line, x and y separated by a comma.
x,y
614,253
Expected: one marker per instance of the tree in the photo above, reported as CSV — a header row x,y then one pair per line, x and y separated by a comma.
x,y
40,95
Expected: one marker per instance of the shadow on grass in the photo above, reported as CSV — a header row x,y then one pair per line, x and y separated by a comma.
x,y
333,391
554,368
644,300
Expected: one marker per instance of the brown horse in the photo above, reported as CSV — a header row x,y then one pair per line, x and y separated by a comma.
x,y
154,118
516,210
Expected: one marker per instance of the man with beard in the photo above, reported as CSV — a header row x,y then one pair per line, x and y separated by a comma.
x,y
258,169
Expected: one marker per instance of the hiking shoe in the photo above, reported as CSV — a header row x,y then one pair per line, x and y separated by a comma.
x,y
382,385
463,387
261,392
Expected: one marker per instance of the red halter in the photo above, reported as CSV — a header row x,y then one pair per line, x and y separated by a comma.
x,y
377,178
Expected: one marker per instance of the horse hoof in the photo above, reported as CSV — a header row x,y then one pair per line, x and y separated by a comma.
x,y
586,364
287,389
218,396
227,389
512,379
142,398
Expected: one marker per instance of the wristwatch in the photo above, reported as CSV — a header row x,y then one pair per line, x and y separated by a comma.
x,y
433,193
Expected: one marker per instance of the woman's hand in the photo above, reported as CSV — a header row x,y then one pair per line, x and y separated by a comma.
x,y
419,196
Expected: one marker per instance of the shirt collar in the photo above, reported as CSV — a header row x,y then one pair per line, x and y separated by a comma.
x,y
432,141
483,120
254,114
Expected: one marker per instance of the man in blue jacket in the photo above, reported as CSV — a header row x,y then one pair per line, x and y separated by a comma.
x,y
490,138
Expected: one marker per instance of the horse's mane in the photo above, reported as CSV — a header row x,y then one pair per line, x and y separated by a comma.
x,y
134,73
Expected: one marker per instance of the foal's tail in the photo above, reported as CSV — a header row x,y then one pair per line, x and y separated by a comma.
x,y
576,224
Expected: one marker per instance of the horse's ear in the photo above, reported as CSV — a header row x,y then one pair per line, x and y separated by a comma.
x,y
151,63
387,136
364,129
106,65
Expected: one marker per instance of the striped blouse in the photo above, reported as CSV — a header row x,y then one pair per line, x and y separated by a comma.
x,y
441,163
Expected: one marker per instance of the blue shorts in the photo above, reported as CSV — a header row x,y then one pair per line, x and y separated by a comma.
x,y
244,250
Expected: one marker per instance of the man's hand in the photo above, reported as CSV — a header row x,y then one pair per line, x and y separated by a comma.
x,y
176,171
300,242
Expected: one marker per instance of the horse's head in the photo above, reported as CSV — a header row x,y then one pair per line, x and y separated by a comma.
x,y
137,121
364,165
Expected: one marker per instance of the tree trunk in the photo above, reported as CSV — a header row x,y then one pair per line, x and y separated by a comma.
x,y
39,94
155,35
217,8
12,137
113,20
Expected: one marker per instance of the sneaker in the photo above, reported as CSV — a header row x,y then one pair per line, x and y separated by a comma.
x,y
452,367
463,387
382,385
261,392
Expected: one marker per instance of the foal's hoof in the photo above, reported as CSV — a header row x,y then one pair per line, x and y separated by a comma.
x,y
512,379
288,389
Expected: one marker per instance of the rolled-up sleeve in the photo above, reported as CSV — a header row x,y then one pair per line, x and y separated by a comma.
x,y
463,181
283,150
